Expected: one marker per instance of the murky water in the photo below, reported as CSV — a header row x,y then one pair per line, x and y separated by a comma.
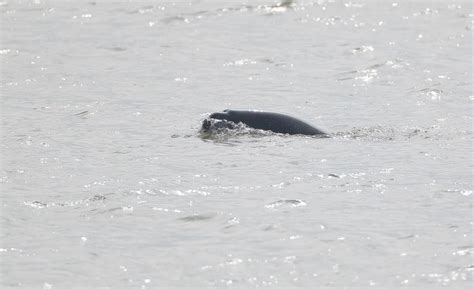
x,y
106,182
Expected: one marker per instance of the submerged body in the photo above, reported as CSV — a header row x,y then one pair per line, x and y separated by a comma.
x,y
271,121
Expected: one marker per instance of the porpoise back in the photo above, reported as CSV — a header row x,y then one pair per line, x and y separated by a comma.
x,y
276,122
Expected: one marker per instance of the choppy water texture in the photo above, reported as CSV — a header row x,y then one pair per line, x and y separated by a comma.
x,y
106,182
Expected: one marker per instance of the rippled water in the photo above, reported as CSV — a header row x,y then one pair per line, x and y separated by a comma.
x,y
106,182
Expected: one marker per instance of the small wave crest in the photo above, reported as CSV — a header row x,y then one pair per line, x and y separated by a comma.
x,y
221,130
381,133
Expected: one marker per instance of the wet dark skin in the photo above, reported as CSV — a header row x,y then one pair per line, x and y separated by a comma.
x,y
276,122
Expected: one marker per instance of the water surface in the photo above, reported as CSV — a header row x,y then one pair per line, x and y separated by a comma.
x,y
106,182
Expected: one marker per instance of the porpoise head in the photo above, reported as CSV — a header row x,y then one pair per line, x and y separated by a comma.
x,y
225,115
224,121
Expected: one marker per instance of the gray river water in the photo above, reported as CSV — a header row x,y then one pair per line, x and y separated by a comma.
x,y
106,181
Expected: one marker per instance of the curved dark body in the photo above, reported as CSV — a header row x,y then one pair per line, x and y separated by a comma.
x,y
275,122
